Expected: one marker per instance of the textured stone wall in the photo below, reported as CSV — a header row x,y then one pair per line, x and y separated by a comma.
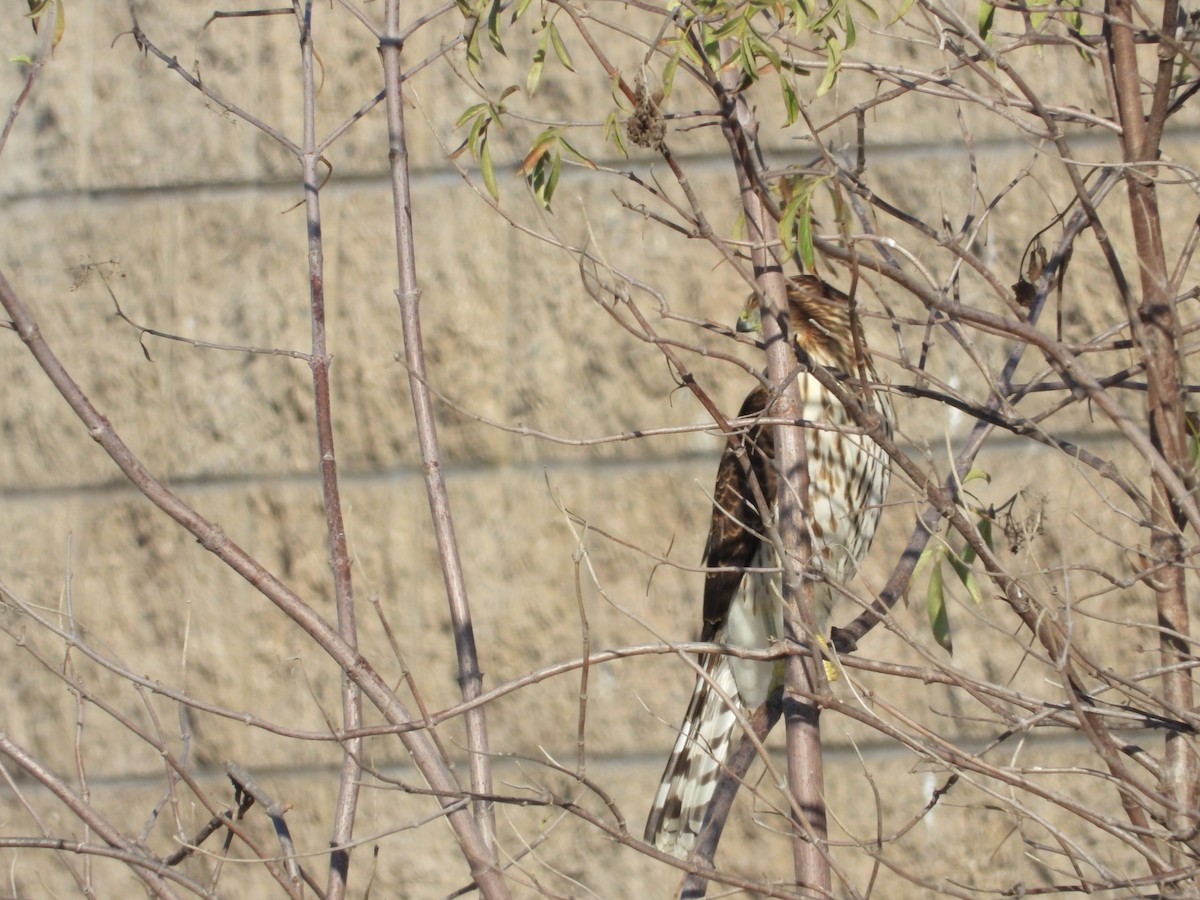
x,y
119,176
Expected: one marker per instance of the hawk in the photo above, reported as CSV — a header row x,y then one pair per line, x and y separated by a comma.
x,y
848,477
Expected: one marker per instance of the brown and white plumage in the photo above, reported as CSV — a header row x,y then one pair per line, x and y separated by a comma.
x,y
848,477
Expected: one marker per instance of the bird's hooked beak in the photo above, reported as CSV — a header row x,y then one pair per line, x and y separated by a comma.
x,y
750,319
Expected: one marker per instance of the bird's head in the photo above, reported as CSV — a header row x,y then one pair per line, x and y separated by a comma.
x,y
819,321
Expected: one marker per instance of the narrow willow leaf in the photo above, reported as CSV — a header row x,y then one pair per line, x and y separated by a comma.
x,y
1074,18
977,474
985,531
520,10
939,618
488,170
966,576
560,49
535,69
841,209
905,6
474,54
478,131
615,133
493,27
668,75
732,28
791,103
804,240
871,13
787,222
693,55
472,110
987,13
552,181
745,57
545,141
984,527
570,148
544,178
764,49
60,23
38,7
833,56
795,225
931,552
712,49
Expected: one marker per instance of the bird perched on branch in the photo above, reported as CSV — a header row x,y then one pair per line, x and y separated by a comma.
x,y
848,478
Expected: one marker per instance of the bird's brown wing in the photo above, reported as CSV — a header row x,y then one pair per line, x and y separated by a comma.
x,y
737,522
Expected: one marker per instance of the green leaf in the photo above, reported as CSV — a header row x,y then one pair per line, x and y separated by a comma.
x,y
1073,17
488,170
787,223
871,13
668,75
541,146
763,49
543,179
520,10
478,131
841,209
833,56
984,527
939,618
474,53
976,474
535,69
570,148
966,576
615,133
543,164
38,7
467,113
795,226
552,180
987,13
985,531
804,240
732,28
800,18
931,552
791,103
493,27
560,49
905,6
60,23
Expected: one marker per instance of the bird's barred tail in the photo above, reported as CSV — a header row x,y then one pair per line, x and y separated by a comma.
x,y
696,761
